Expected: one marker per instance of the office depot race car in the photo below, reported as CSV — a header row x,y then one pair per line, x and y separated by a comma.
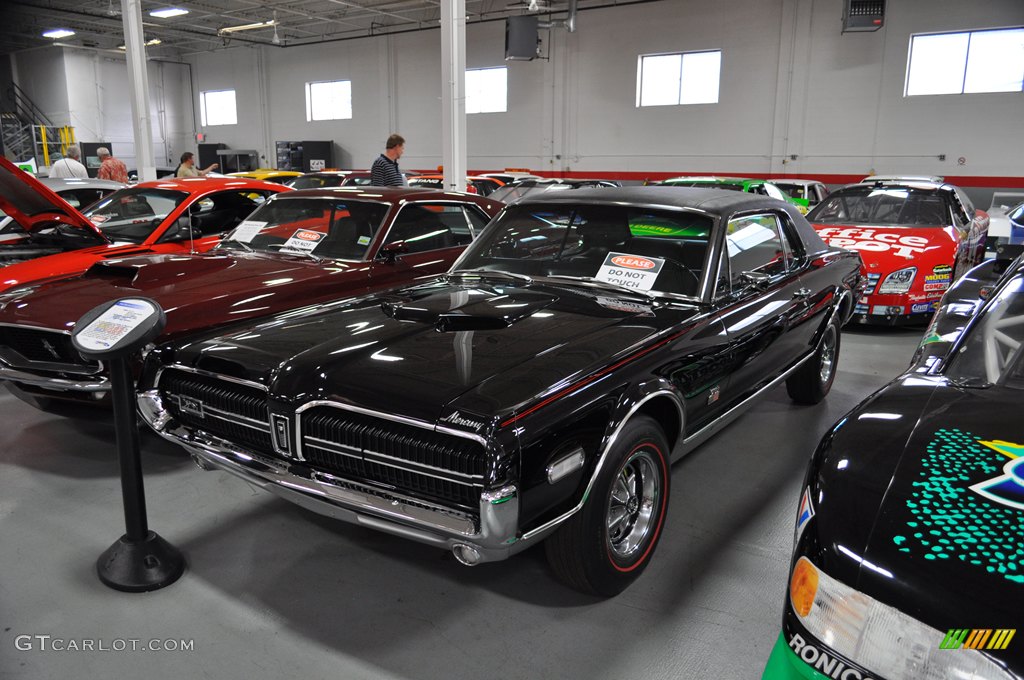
x,y
915,237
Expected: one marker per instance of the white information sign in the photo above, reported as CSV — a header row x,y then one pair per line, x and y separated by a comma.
x,y
630,271
247,230
115,324
303,241
317,164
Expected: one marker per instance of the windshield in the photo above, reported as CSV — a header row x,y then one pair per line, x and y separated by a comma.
x,y
316,226
902,206
992,351
637,248
794,190
133,214
510,193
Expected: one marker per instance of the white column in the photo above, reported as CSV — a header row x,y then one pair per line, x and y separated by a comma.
x,y
453,94
138,88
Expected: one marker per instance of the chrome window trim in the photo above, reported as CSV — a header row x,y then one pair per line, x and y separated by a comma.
x,y
703,282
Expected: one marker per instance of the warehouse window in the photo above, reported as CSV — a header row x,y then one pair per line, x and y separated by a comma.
x,y
487,90
331,100
682,78
966,62
217,107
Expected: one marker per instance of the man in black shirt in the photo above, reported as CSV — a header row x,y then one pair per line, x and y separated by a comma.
x,y
384,172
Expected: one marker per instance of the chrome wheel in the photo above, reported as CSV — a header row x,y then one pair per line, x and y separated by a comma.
x,y
633,504
828,355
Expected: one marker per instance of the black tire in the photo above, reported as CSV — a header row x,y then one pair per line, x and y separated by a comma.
x,y
814,379
595,558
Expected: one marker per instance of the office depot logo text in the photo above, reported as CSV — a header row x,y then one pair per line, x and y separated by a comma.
x,y
874,241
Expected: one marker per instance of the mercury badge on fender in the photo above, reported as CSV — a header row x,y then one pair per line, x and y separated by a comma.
x,y
538,390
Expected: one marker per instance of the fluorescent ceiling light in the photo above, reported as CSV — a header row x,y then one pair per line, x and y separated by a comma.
x,y
248,27
168,12
57,33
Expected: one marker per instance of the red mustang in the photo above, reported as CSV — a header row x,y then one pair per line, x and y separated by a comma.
x,y
299,248
915,237
48,239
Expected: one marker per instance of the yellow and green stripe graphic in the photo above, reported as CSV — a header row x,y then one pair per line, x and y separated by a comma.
x,y
978,638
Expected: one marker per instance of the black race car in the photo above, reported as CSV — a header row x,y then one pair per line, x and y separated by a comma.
x,y
909,558
540,390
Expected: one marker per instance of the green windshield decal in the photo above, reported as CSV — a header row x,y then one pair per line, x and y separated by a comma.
x,y
951,520
674,230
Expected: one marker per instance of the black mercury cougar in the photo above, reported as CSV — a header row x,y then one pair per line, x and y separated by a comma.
x,y
909,559
539,390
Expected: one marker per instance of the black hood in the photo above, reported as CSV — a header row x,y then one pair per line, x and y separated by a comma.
x,y
485,348
915,506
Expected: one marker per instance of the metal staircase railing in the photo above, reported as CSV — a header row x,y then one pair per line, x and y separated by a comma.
x,y
26,132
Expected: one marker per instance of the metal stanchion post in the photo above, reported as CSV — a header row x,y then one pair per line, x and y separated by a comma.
x,y
140,560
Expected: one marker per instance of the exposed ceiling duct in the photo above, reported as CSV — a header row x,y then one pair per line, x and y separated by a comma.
x,y
207,25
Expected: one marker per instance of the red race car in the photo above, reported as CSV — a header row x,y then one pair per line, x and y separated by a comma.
x,y
48,239
915,237
300,248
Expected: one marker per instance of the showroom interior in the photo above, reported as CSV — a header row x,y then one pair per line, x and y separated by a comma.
x,y
801,89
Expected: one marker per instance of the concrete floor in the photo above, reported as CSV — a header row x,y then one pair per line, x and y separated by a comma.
x,y
273,591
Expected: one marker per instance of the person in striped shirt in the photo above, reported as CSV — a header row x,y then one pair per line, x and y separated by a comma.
x,y
384,172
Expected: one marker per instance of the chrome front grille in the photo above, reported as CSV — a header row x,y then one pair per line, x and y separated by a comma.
x,y
232,411
429,464
37,349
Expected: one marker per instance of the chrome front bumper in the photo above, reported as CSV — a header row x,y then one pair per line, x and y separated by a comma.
x,y
87,383
494,537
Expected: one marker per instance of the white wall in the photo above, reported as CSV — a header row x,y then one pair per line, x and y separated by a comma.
x,y
40,75
856,119
89,90
792,85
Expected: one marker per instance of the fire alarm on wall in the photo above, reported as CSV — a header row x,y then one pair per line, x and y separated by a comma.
x,y
200,136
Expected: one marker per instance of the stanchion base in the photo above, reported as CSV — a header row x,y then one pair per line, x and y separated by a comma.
x,y
140,566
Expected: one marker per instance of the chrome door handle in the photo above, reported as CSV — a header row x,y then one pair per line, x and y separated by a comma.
x,y
802,294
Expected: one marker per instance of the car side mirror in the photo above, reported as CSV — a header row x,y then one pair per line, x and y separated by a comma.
x,y
758,280
184,228
389,252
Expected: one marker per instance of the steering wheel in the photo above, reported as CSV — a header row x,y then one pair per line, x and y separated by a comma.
x,y
683,268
